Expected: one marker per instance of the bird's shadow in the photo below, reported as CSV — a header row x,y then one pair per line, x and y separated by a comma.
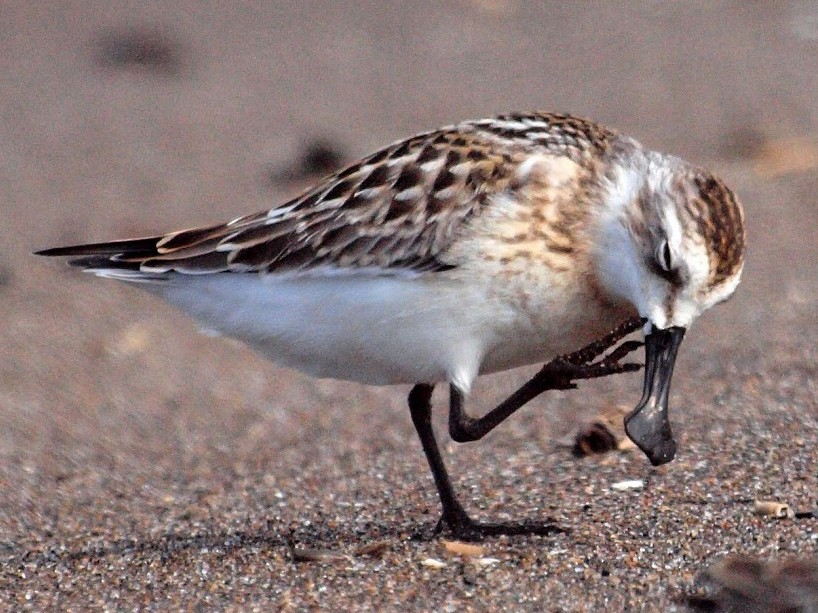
x,y
479,530
292,539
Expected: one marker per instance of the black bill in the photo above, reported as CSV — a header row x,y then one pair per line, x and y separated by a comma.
x,y
648,425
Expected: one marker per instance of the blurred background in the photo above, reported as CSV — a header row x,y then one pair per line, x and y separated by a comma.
x,y
117,119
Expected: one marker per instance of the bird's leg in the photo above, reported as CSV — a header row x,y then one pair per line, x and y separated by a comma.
x,y
454,515
561,373
420,406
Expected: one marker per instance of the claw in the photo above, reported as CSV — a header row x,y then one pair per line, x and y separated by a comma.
x,y
580,364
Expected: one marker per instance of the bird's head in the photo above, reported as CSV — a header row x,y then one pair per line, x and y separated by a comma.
x,y
672,244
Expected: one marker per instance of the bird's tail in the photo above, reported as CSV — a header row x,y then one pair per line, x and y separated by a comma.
x,y
148,260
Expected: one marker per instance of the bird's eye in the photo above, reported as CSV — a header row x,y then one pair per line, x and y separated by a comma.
x,y
664,257
663,266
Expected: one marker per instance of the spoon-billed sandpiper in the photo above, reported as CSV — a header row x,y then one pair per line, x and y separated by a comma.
x,y
471,249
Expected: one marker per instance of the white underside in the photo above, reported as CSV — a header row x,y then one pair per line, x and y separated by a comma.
x,y
375,329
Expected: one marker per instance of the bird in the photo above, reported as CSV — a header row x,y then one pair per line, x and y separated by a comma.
x,y
475,248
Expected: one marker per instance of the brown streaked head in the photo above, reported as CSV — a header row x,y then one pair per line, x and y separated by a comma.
x,y
671,242
719,219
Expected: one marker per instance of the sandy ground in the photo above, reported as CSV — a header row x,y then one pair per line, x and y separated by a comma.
x,y
145,466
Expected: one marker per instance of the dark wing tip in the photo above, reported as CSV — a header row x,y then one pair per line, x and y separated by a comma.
x,y
133,247
56,251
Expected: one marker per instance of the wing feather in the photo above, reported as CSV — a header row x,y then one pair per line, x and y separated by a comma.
x,y
399,208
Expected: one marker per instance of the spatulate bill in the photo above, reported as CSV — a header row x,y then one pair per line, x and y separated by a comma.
x,y
648,425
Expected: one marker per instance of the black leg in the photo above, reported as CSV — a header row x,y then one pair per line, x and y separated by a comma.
x,y
557,374
420,406
454,516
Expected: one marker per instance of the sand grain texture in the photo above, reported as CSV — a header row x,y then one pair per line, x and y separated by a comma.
x,y
145,466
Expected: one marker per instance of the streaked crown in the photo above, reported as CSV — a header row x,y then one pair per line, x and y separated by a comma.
x,y
719,221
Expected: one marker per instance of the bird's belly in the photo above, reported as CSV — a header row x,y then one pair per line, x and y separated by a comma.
x,y
385,329
371,329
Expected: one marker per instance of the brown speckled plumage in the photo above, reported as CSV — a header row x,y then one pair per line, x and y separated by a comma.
x,y
720,220
400,207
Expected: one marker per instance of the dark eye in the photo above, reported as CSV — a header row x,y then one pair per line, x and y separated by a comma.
x,y
662,264
664,257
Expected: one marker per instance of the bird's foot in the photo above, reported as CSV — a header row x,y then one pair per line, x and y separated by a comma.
x,y
563,371
464,528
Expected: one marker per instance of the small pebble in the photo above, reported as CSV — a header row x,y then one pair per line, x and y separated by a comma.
x,y
486,561
631,484
772,508
318,157
604,433
469,574
311,554
463,549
